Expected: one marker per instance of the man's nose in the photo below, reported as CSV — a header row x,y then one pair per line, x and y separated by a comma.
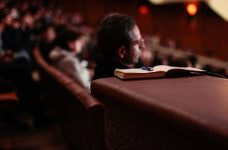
x,y
142,45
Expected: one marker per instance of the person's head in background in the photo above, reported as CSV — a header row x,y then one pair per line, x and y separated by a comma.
x,y
70,40
119,38
49,33
28,21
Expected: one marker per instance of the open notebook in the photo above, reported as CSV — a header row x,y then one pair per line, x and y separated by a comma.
x,y
153,72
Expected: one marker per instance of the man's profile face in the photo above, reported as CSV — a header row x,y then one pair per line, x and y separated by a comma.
x,y
136,46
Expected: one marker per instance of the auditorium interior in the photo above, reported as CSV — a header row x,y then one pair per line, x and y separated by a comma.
x,y
44,108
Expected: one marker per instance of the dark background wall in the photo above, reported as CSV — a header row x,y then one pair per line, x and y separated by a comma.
x,y
206,33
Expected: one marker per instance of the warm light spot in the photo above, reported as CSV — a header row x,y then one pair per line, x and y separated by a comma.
x,y
192,9
143,9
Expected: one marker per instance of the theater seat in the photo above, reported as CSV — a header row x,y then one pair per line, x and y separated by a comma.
x,y
80,114
8,100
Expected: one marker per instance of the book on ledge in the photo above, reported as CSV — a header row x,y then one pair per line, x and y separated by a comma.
x,y
155,72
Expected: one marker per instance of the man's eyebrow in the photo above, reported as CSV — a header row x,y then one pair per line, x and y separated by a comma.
x,y
138,40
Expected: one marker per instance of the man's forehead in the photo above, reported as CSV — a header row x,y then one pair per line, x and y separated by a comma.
x,y
135,33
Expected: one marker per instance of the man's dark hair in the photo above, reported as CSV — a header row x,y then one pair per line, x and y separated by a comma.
x,y
114,32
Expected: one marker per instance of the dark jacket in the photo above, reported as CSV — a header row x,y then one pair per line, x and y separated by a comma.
x,y
105,68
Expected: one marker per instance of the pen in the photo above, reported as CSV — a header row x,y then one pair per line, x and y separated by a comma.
x,y
146,68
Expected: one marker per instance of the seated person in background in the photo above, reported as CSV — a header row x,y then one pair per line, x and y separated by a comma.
x,y
64,57
15,75
46,44
120,43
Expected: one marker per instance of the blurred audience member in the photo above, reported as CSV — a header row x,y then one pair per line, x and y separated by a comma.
x,y
63,57
28,32
12,34
177,61
170,43
192,60
47,42
156,59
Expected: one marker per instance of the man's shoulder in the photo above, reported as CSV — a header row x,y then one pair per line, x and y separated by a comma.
x,y
105,68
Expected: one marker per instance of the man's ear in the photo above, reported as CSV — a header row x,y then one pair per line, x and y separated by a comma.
x,y
122,52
